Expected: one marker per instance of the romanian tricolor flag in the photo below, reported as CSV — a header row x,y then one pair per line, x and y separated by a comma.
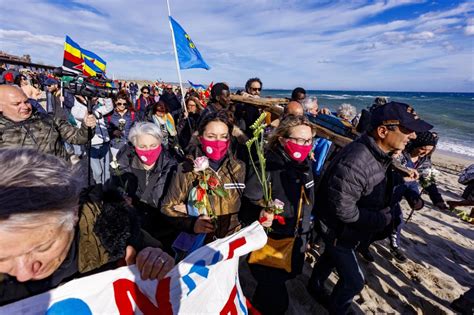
x,y
72,55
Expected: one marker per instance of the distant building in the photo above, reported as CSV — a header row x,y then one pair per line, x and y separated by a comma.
x,y
24,58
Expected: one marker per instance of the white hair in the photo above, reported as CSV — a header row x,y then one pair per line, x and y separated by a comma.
x,y
64,219
347,111
37,186
309,103
144,128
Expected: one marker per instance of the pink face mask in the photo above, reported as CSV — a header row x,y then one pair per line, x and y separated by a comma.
x,y
148,157
215,149
297,152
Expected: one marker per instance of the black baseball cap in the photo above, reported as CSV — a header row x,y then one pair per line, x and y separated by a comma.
x,y
395,113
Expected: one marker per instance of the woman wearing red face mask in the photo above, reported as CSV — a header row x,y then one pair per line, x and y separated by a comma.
x,y
142,172
214,140
291,178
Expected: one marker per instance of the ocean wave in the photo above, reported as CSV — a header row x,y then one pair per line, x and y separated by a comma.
x,y
336,97
367,96
456,148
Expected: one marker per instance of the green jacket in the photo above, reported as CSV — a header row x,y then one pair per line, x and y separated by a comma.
x,y
45,133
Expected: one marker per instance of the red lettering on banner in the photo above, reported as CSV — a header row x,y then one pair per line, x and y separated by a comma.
x,y
162,294
229,307
234,245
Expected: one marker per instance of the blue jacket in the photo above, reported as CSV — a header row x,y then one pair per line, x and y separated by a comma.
x,y
113,124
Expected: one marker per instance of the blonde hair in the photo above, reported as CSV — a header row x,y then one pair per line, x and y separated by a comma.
x,y
284,128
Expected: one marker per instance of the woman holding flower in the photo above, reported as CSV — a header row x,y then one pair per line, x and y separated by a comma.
x,y
417,155
204,195
142,173
290,181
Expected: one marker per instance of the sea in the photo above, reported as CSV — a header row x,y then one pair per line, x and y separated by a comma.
x,y
451,114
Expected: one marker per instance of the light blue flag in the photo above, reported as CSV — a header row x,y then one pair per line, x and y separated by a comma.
x,y
188,54
197,86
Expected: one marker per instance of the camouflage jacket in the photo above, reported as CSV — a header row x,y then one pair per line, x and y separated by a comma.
x,y
45,133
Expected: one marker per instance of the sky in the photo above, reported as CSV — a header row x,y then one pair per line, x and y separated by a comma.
x,y
391,45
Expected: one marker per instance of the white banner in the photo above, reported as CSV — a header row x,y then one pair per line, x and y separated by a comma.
x,y
205,282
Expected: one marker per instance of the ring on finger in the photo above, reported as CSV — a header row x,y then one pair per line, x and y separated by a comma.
x,y
161,260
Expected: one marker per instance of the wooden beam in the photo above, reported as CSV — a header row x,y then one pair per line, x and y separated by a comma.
x,y
275,105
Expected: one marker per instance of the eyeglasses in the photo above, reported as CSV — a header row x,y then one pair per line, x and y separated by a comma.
x,y
255,89
301,141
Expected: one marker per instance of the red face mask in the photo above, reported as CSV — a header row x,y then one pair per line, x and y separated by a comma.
x,y
215,149
149,157
297,152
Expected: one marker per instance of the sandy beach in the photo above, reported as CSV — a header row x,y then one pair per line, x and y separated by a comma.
x,y
440,251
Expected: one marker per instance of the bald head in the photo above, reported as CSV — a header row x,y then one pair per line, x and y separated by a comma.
x,y
14,103
294,108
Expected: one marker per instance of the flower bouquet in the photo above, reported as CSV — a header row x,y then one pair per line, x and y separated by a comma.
x,y
270,205
199,203
428,177
208,184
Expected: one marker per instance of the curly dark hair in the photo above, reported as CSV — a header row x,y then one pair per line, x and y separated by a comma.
x,y
250,81
159,105
224,116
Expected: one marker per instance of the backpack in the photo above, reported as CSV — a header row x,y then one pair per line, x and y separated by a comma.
x,y
467,175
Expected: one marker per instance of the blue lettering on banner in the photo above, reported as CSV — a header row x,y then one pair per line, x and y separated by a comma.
x,y
200,268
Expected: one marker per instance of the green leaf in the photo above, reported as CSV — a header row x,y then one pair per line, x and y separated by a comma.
x,y
203,185
219,191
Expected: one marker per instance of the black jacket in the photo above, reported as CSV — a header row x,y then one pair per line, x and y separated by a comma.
x,y
353,190
146,188
286,177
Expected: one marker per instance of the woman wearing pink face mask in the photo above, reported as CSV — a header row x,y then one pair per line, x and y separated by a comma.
x,y
214,139
142,172
289,171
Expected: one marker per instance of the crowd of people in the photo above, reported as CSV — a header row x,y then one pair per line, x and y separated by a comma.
x,y
145,202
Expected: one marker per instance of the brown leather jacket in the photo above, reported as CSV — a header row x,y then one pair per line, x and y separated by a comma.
x,y
232,177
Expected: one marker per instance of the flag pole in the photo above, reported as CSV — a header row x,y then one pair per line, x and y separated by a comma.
x,y
176,60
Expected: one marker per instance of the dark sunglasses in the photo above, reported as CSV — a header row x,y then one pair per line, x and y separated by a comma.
x,y
256,89
145,92
120,103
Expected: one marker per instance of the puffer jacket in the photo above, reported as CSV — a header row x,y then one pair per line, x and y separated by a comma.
x,y
146,188
42,132
232,176
353,190
286,177
104,230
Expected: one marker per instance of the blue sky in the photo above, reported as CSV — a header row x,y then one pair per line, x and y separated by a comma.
x,y
393,45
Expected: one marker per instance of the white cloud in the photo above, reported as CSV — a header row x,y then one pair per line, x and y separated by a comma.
x,y
286,43
469,30
29,38
422,36
126,49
